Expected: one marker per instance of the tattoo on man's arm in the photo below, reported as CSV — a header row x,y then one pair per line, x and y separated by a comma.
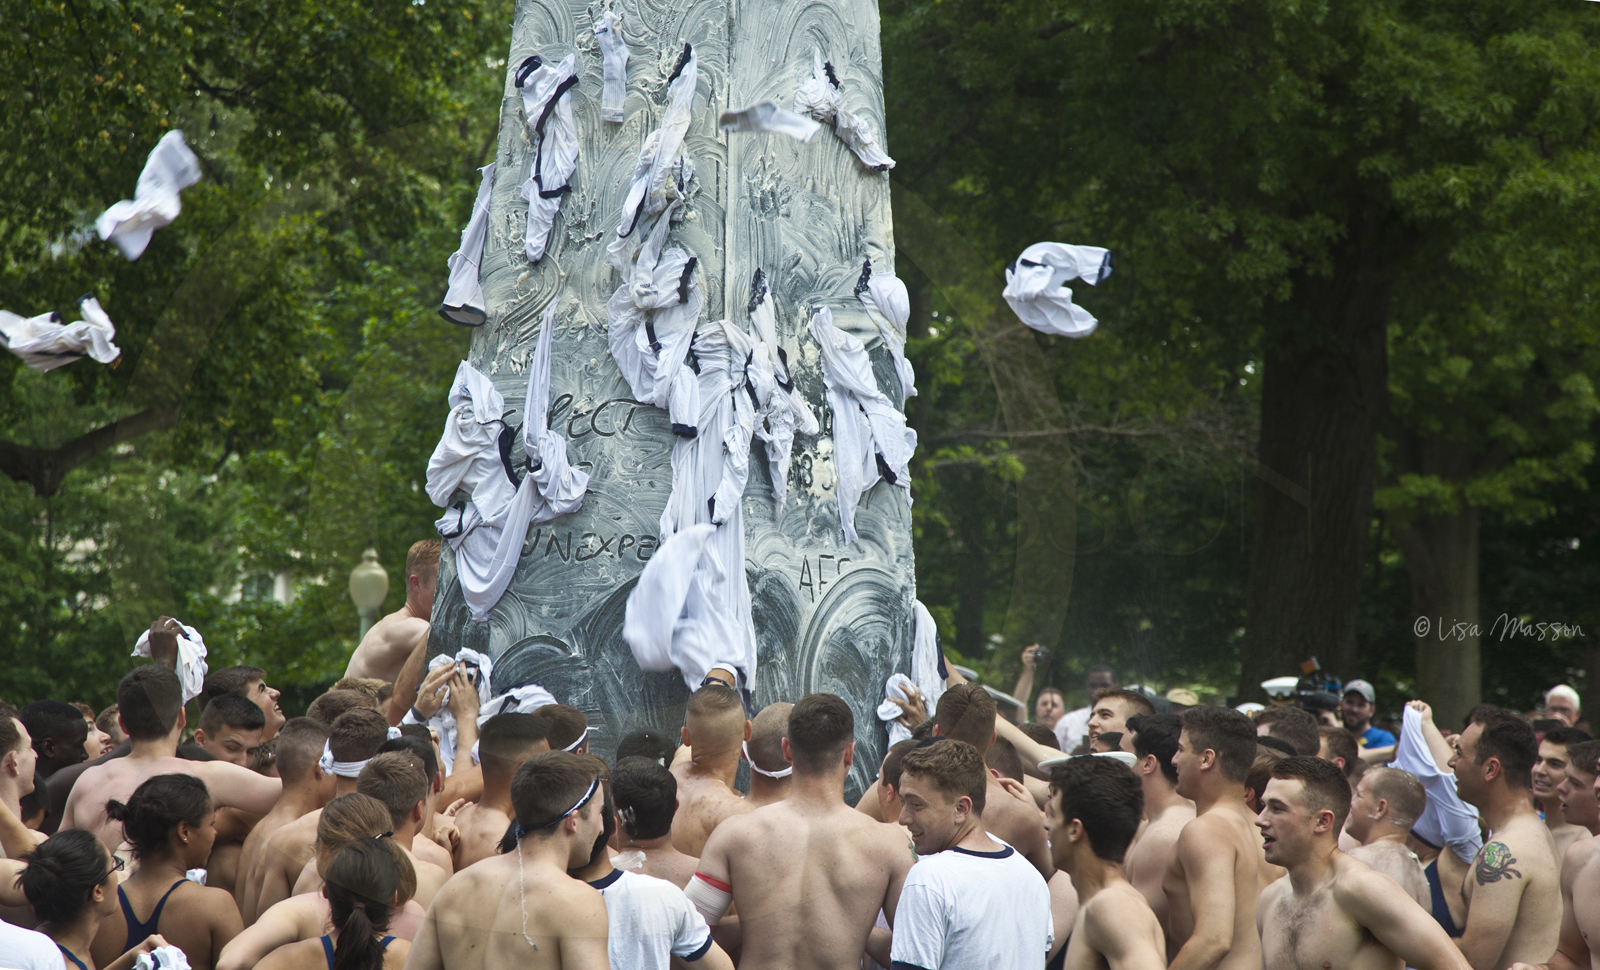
x,y
1495,864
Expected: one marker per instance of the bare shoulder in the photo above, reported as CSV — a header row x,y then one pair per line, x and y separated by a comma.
x,y
1203,833
1581,853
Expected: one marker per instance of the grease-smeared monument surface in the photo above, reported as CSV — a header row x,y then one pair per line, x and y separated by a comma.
x,y
828,617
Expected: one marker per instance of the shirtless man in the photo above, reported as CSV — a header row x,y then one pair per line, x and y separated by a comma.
x,y
1153,739
1333,910
150,711
808,874
506,741
249,683
306,788
1580,874
1112,707
230,730
385,648
646,798
521,909
1548,773
1213,881
966,712
1513,892
353,739
1579,805
1387,802
769,769
1093,814
17,758
714,732
399,780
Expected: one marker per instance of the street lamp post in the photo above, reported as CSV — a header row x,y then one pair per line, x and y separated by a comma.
x,y
369,584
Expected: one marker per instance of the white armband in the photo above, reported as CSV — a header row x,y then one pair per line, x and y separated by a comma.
x,y
710,896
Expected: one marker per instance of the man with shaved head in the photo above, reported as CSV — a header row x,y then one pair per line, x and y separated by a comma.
x,y
770,771
506,741
1387,802
714,733
306,789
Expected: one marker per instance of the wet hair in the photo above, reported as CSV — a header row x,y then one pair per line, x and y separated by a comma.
x,y
62,871
149,699
1040,734
1277,744
1583,756
1261,770
645,743
357,735
1564,736
329,705
567,724
360,883
548,784
1400,788
1228,733
399,780
421,747
954,767
646,795
10,737
767,732
1509,738
965,712
1341,744
821,726
422,559
228,682
107,722
50,719
893,763
1105,741
156,808
504,740
371,686
1105,796
1002,757
1326,788
1140,703
351,817
1296,726
299,746
234,711
1157,734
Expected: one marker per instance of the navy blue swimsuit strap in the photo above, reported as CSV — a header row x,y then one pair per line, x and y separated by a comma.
x,y
138,929
327,950
68,954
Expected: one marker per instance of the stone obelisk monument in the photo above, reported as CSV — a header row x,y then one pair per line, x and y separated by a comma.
x,y
828,616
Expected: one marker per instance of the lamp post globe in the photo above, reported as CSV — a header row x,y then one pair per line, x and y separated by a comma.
x,y
369,584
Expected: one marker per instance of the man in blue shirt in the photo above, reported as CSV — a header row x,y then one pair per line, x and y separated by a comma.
x,y
1359,704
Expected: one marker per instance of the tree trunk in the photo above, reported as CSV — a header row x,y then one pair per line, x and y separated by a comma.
x,y
1323,394
1441,554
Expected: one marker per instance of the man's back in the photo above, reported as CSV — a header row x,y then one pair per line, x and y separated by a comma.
x,y
1394,860
1216,869
1580,903
118,778
1114,921
665,863
1015,818
383,651
703,803
490,912
482,827
808,881
282,858
1516,875
1150,856
248,884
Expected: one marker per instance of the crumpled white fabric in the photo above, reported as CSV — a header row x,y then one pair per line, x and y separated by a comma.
x,y
767,116
547,103
1447,821
192,668
782,410
677,615
162,958
889,307
925,655
463,302
652,324
443,720
894,689
614,58
170,168
347,769
195,875
44,343
487,533
819,98
870,437
662,172
1037,291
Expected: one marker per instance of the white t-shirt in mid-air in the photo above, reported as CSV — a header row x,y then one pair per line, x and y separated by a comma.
x,y
649,921
22,949
967,910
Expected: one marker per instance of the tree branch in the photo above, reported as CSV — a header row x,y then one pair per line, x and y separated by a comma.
x,y
46,468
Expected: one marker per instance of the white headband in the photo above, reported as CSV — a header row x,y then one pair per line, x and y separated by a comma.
x,y
346,769
574,745
786,772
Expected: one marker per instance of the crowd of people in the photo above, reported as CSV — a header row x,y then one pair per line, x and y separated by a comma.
x,y
396,823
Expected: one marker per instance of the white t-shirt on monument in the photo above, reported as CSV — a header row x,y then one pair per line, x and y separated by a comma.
x,y
649,921
22,949
967,910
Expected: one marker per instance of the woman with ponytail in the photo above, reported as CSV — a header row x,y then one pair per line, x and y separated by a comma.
x,y
171,825
71,883
363,889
